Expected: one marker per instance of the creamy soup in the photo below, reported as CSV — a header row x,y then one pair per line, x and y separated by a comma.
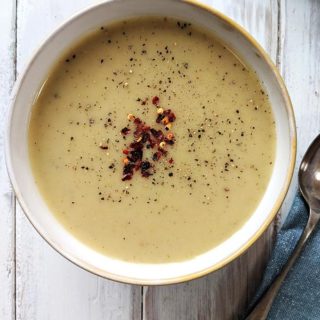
x,y
151,141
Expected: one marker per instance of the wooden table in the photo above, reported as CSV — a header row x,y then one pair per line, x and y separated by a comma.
x,y
37,283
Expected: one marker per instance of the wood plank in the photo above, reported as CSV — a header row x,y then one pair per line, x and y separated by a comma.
x,y
225,293
48,286
300,67
220,295
260,18
7,199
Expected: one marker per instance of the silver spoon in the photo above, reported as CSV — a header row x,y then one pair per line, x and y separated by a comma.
x,y
309,182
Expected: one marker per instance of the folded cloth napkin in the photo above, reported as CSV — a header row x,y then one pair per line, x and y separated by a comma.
x,y
299,296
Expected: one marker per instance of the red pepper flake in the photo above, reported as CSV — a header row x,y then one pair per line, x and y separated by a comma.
x,y
135,155
155,100
158,134
128,172
137,121
145,166
136,145
145,137
156,156
170,161
170,115
127,177
162,151
170,142
125,151
160,117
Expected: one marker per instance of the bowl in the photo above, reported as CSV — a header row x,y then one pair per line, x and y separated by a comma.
x,y
34,206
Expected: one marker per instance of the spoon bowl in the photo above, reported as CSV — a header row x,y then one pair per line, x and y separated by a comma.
x,y
309,175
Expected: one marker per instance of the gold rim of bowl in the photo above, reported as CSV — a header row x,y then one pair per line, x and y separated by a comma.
x,y
85,265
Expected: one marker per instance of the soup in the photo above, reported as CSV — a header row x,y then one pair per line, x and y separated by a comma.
x,y
151,141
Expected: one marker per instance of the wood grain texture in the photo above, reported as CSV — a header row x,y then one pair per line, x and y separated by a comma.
x,y
48,286
225,293
300,66
260,18
7,199
220,295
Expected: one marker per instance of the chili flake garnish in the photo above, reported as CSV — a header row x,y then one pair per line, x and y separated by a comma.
x,y
155,100
149,138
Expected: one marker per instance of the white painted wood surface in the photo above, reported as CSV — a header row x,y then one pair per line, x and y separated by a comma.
x,y
37,283
7,199
299,59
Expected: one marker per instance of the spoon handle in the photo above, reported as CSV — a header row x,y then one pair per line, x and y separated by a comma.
x,y
262,308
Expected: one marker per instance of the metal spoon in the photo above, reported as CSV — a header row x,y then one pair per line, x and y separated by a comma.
x,y
309,182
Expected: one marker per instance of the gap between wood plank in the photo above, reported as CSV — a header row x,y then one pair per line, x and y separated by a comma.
x,y
141,308
8,21
13,194
279,47
280,59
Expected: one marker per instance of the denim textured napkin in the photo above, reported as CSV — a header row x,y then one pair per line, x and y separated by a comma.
x,y
299,296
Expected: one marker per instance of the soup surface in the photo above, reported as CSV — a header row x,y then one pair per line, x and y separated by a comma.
x,y
151,141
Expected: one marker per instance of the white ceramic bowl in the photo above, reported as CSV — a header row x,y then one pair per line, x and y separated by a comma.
x,y
34,206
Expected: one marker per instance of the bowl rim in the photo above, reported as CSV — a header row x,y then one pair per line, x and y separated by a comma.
x,y
130,280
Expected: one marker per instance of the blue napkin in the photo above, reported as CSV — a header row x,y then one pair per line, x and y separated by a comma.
x,y
299,296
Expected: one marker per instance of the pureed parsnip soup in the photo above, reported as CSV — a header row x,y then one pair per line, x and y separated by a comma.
x,y
151,141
